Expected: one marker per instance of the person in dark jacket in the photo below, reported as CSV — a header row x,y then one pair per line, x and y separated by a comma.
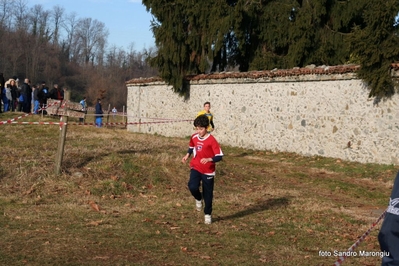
x,y
99,113
56,93
388,237
14,94
26,96
2,86
43,95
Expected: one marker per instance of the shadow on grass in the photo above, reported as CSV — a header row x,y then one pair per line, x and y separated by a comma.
x,y
268,204
84,160
81,162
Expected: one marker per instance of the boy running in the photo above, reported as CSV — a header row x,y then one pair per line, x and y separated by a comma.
x,y
207,112
206,152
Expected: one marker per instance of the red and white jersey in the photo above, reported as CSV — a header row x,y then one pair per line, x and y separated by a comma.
x,y
206,147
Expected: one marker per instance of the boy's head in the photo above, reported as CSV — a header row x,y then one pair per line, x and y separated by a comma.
x,y
201,121
207,106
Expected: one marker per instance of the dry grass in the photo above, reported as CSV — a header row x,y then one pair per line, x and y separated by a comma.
x,y
122,200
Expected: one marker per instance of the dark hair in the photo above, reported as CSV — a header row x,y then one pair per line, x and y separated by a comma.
x,y
207,103
201,121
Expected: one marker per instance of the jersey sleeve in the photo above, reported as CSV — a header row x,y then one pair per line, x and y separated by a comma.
x,y
191,145
217,151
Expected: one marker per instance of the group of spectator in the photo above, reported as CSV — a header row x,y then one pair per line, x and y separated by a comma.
x,y
26,97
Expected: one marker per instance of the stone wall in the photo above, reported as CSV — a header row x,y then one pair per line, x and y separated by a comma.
x,y
311,113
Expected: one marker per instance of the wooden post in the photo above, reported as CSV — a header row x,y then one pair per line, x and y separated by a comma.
x,y
109,106
63,131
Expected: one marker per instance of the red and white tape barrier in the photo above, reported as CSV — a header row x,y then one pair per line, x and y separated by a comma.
x,y
38,123
44,107
10,121
130,123
120,114
361,239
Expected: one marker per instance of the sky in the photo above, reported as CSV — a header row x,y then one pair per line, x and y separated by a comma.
x,y
127,21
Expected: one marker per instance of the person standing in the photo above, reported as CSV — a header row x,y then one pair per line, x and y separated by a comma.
x,y
6,93
7,97
43,95
56,93
36,102
2,86
14,94
26,96
114,111
83,103
206,152
207,112
99,113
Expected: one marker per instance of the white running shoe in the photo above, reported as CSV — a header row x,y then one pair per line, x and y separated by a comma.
x,y
198,205
208,219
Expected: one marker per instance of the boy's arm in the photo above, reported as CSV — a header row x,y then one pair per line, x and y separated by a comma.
x,y
214,159
217,151
189,152
211,122
217,158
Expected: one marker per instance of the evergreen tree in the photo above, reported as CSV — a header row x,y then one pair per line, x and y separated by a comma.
x,y
375,45
199,37
190,37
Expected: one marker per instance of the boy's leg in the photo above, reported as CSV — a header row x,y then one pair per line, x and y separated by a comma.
x,y
207,191
194,184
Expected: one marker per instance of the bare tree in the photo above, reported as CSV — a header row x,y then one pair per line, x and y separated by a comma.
x,y
68,45
21,12
39,19
91,35
115,74
6,13
115,57
57,18
49,45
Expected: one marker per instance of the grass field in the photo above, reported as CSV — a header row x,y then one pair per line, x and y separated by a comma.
x,y
122,199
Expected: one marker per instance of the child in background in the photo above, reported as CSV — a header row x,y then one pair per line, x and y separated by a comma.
x,y
114,111
209,115
99,113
